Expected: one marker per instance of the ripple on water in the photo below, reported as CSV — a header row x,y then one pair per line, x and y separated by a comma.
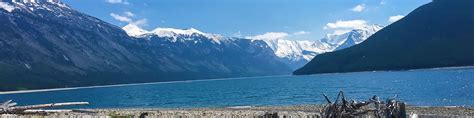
x,y
438,87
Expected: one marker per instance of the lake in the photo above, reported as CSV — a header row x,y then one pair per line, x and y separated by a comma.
x,y
430,87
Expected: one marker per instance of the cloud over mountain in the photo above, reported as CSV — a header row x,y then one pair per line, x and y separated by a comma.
x,y
120,17
127,18
341,27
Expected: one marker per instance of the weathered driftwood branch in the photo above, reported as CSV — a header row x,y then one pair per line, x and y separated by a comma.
x,y
48,105
10,107
342,108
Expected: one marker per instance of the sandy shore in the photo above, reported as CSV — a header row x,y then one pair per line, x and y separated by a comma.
x,y
306,111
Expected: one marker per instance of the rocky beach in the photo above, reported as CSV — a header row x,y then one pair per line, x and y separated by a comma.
x,y
302,111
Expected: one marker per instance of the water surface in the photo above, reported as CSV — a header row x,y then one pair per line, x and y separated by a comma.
x,y
432,87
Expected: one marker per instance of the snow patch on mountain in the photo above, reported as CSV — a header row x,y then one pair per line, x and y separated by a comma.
x,y
172,33
34,3
299,52
354,37
296,50
31,6
293,52
134,31
7,6
289,50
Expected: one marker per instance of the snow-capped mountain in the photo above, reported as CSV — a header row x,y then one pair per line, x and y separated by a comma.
x,y
171,34
354,37
31,1
295,53
48,45
298,52
10,5
43,42
211,51
134,31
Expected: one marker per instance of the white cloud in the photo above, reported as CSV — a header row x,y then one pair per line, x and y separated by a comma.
x,y
342,27
129,14
359,8
395,18
121,18
129,20
351,24
301,33
118,2
270,35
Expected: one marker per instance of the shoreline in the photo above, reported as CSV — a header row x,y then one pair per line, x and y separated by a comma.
x,y
264,111
133,84
218,79
409,70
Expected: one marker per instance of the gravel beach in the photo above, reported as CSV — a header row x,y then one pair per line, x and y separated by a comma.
x,y
306,111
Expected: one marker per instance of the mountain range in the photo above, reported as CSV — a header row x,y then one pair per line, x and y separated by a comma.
x,y
294,53
47,44
438,34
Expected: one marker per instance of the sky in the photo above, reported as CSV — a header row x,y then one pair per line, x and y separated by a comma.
x,y
288,19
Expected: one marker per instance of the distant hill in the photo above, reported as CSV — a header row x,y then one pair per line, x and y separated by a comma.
x,y
438,34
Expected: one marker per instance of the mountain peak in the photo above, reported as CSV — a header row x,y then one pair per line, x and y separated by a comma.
x,y
31,1
374,27
172,32
30,5
194,30
134,30
355,36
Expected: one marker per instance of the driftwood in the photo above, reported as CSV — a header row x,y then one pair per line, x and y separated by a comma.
x,y
342,108
9,107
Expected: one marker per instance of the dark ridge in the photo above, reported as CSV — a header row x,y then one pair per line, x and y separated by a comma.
x,y
438,34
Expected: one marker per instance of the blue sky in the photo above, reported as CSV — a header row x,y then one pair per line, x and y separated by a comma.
x,y
292,19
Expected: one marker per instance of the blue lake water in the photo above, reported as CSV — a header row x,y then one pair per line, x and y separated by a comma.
x,y
432,87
